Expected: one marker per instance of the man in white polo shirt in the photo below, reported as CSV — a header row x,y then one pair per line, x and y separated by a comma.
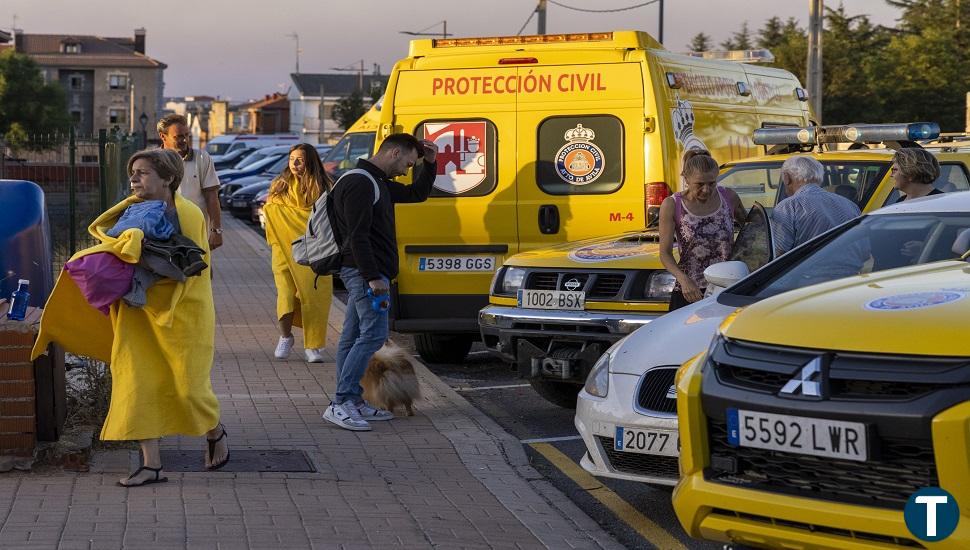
x,y
199,184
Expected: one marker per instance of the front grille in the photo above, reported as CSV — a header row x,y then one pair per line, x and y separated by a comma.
x,y
639,464
813,528
655,392
543,281
896,469
606,286
752,379
871,389
554,327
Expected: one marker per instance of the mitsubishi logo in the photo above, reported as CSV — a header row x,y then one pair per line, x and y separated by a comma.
x,y
808,381
572,284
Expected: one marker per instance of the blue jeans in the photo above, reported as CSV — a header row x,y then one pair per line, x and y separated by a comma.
x,y
364,332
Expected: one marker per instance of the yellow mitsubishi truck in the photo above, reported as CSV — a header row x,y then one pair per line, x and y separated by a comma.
x,y
829,416
548,139
553,311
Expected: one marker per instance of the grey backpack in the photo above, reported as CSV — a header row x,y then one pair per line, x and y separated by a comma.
x,y
319,247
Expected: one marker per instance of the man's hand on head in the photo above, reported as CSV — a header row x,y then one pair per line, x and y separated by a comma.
x,y
430,150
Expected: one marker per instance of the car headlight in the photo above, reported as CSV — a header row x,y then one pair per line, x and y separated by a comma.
x,y
598,381
659,286
512,280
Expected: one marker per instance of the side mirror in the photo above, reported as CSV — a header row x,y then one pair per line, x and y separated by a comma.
x,y
725,274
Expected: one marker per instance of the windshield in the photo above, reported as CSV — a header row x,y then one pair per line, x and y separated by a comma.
x,y
865,245
251,159
347,151
262,163
760,182
216,148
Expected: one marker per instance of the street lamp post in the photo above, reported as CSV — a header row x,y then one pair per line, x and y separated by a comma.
x,y
424,32
143,119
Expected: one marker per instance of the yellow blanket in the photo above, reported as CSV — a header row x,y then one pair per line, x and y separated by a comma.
x,y
286,220
160,355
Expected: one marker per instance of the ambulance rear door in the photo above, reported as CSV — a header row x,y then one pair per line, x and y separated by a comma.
x,y
580,151
451,245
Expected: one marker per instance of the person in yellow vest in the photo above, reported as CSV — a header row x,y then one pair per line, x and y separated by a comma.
x,y
302,298
161,351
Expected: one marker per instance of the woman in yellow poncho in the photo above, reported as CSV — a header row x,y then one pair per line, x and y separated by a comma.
x,y
160,354
302,299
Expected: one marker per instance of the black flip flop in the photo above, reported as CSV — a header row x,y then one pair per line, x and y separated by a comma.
x,y
147,481
212,450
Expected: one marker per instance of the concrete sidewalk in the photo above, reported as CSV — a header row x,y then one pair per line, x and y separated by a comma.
x,y
448,477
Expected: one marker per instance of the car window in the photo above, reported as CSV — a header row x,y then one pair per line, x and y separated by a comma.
x,y
753,244
251,159
953,177
236,146
347,152
216,148
865,245
761,181
753,183
580,155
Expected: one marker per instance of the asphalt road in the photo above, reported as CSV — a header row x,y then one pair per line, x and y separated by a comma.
x,y
527,416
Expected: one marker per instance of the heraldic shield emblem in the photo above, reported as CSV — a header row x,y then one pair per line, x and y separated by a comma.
x,y
579,161
461,154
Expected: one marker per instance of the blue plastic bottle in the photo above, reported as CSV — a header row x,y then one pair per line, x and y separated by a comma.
x,y
379,302
18,301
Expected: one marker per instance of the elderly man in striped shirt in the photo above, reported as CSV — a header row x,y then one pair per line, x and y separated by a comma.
x,y
808,210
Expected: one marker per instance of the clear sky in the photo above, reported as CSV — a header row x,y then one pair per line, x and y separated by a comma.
x,y
239,49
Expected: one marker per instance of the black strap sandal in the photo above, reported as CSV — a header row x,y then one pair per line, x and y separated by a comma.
x,y
148,481
212,450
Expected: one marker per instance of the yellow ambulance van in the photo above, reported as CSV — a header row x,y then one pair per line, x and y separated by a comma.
x,y
546,139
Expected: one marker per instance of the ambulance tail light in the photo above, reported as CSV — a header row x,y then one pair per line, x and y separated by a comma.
x,y
654,194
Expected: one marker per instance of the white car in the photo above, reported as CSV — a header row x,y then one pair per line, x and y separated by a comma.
x,y
627,414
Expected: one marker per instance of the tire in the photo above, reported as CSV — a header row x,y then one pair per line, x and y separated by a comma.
x,y
562,394
437,348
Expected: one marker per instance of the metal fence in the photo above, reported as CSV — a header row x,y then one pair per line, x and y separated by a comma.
x,y
81,177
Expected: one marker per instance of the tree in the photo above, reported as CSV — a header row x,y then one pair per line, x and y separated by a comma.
x,y
27,104
740,40
349,109
700,43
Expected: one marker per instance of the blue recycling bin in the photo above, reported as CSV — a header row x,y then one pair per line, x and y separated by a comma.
x,y
25,240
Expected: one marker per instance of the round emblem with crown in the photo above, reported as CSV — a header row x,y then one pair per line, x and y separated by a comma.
x,y
579,161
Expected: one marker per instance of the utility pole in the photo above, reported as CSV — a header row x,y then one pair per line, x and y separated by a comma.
x,y
660,32
322,114
360,77
813,74
541,21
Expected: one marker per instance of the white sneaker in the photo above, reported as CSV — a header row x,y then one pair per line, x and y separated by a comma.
x,y
346,416
283,347
371,413
314,355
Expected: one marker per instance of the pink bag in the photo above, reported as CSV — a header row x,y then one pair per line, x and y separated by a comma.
x,y
102,278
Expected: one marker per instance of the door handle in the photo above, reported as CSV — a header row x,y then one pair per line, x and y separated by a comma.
x,y
549,219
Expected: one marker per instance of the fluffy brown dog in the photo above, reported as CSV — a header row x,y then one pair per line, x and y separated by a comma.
x,y
390,380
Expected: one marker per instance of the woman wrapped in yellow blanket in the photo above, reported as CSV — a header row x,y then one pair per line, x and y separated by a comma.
x,y
302,298
160,354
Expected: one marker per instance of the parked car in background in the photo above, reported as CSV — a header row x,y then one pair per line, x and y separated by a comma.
x,y
241,201
238,144
268,172
355,144
229,176
818,412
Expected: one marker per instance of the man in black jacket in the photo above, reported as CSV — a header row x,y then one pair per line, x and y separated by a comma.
x,y
365,221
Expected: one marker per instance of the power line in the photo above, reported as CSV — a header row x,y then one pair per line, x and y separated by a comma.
x,y
561,5
524,25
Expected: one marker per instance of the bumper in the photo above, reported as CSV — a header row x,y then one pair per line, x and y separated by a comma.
x,y
596,420
734,514
501,326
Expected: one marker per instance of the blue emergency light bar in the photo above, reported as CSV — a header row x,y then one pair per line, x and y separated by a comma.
x,y
858,133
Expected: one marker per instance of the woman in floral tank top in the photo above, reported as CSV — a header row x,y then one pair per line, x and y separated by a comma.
x,y
701,219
